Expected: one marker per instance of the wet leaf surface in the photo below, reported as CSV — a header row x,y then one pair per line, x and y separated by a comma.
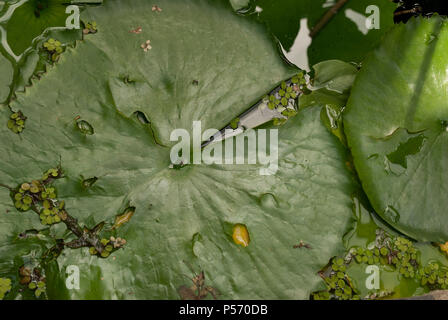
x,y
396,128
185,214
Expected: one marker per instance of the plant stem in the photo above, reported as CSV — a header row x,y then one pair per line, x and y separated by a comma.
x,y
86,237
327,17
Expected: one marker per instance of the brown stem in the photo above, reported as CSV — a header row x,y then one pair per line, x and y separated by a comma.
x,y
5,186
413,10
86,237
327,17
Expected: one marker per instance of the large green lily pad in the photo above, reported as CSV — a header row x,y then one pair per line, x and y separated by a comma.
x,y
7,72
183,216
397,130
239,4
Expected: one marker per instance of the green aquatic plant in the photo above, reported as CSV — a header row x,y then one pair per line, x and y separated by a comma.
x,y
34,279
189,214
5,287
339,285
54,49
90,27
16,122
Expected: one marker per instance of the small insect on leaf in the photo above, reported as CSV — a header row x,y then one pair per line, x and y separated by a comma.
x,y
123,218
84,127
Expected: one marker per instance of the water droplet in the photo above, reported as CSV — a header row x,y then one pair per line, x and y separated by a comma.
x,y
391,214
429,38
444,124
198,247
241,235
85,127
141,117
87,183
268,200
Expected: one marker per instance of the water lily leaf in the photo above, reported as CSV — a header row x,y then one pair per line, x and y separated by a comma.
x,y
7,72
330,90
184,218
396,127
334,75
239,4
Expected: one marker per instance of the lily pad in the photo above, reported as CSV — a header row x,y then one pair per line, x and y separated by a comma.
x,y
331,85
7,72
183,216
239,4
396,126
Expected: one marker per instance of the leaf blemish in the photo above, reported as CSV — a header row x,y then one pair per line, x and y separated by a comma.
x,y
136,30
146,46
156,8
124,217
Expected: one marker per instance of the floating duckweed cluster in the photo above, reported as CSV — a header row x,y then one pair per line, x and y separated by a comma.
x,y
50,213
339,285
404,257
234,123
5,286
444,247
54,48
434,276
283,100
398,252
41,197
110,245
33,279
16,122
90,27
